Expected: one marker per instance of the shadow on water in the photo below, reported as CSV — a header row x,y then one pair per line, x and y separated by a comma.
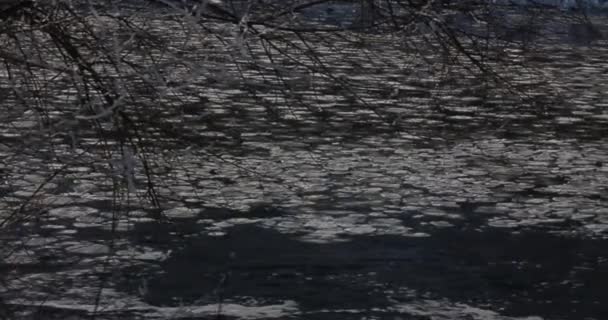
x,y
516,274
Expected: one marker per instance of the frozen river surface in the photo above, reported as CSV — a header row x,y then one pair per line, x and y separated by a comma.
x,y
477,207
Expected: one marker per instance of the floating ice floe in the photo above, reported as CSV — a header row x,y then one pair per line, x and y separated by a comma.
x,y
89,248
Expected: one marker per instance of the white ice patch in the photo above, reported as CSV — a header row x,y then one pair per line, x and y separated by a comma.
x,y
88,248
144,253
180,212
436,310
72,212
597,227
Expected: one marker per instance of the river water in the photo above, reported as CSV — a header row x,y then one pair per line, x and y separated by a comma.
x,y
470,202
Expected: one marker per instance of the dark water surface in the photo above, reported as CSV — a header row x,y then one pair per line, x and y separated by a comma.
x,y
516,274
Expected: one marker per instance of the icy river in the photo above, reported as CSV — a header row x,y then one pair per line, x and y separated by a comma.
x,y
479,206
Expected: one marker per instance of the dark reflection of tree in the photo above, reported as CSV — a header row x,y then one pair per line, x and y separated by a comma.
x,y
105,68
